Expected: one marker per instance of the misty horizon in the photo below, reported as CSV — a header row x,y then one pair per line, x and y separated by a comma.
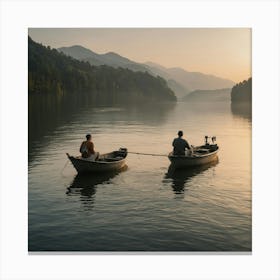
x,y
219,52
142,63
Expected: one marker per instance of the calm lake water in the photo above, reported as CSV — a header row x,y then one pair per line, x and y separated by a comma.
x,y
144,207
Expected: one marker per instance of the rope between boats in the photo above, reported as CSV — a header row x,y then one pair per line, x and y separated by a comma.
x,y
61,172
147,154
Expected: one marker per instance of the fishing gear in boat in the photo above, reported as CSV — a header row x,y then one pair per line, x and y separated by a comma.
x,y
200,155
213,139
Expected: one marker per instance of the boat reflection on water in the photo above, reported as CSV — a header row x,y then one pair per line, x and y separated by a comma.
x,y
85,185
180,177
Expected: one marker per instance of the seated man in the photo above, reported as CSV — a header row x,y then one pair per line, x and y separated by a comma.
x,y
87,149
179,145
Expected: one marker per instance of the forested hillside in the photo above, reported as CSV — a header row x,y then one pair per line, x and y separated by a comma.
x,y
241,99
51,72
115,60
242,92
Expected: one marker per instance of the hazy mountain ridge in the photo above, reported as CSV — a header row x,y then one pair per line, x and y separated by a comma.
x,y
110,58
209,95
178,79
115,60
52,72
179,88
191,80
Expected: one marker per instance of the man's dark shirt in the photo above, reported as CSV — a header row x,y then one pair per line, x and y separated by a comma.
x,y
179,145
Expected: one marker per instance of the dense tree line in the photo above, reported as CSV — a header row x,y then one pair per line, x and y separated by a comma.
x,y
51,72
242,92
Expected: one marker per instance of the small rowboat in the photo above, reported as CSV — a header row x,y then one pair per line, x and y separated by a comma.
x,y
113,161
201,155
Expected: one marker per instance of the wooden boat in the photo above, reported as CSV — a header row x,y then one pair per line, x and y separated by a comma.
x,y
106,162
201,155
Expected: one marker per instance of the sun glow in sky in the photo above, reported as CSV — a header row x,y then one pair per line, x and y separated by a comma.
x,y
223,52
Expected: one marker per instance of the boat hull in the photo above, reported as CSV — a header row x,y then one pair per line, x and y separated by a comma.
x,y
196,159
113,161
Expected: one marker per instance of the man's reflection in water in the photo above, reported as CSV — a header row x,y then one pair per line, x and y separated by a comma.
x,y
180,177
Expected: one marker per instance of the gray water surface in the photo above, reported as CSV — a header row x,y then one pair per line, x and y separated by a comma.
x,y
144,207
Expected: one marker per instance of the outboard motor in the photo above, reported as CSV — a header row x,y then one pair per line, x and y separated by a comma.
x,y
213,139
122,152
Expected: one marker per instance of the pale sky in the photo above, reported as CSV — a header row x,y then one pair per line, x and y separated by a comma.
x,y
223,52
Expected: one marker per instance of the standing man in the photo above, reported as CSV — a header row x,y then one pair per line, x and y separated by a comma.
x,y
87,149
179,145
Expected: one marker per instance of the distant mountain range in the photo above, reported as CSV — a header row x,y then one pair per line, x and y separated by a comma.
x,y
110,58
191,80
52,72
209,95
178,79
